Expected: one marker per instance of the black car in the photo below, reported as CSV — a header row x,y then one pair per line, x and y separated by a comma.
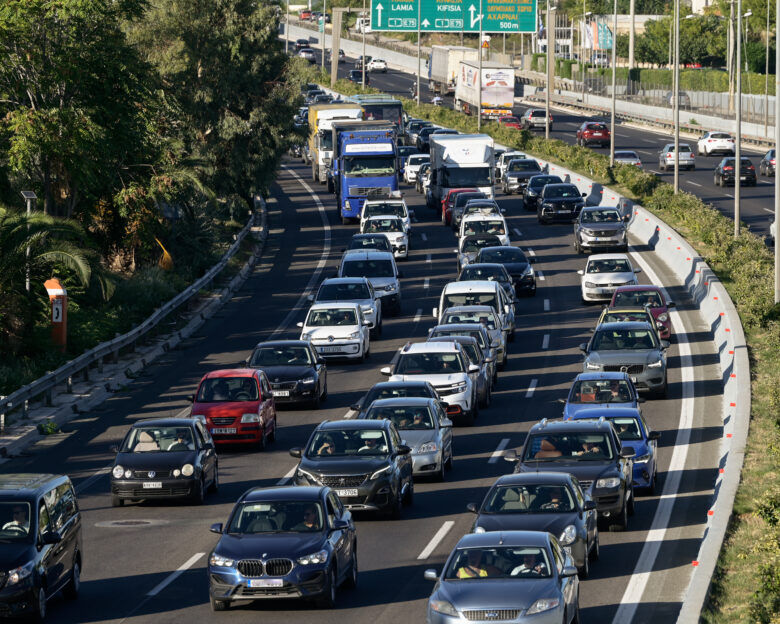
x,y
294,370
283,542
517,174
589,450
413,127
370,241
517,264
724,172
40,543
534,188
394,390
543,501
165,458
364,460
559,202
356,76
300,44
767,165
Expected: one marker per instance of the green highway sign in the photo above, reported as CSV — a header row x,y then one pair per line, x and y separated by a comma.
x,y
500,16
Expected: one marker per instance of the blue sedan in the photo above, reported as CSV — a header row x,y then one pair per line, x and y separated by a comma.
x,y
602,390
635,434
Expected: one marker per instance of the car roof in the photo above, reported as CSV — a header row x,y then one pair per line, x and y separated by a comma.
x,y
480,216
595,208
471,308
468,286
517,478
504,538
231,372
459,326
27,483
619,308
487,265
345,280
594,413
460,339
560,184
563,426
383,217
357,423
283,343
638,287
280,493
396,384
329,305
608,256
366,254
165,422
404,401
601,375
625,325
448,346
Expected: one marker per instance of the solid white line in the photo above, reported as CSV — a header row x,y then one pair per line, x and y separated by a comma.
x,y
498,453
89,481
729,195
418,315
531,387
436,539
428,257
427,283
768,210
516,231
541,275
424,236
693,183
174,575
546,305
303,299
546,341
286,478
655,537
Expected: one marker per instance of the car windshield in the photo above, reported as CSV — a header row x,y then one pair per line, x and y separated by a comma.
x,y
719,135
367,268
347,443
501,562
418,160
370,242
343,292
385,208
331,317
461,199
156,439
251,518
627,428
484,227
618,265
623,339
569,446
683,148
287,355
523,165
486,318
620,316
368,166
502,255
471,352
650,298
429,363
516,499
466,176
404,417
561,192
627,155
15,521
225,389
600,216
601,391
472,245
597,127
494,274
537,182
384,225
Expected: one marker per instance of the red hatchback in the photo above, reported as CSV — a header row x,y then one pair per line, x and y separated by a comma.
x,y
238,406
593,132
651,297
510,121
449,201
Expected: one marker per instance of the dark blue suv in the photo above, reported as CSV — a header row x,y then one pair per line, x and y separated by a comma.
x,y
283,542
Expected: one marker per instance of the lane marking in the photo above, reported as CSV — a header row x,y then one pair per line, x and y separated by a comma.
x,y
436,539
546,305
541,275
286,478
516,231
531,387
693,183
418,315
499,452
768,210
424,236
89,481
531,252
427,283
546,341
729,195
428,258
174,575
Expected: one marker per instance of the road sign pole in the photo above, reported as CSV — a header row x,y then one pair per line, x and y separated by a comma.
x,y
419,36
324,13
479,73
549,74
777,145
614,88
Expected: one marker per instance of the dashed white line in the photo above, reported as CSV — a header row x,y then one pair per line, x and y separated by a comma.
x,y
87,482
516,231
693,183
499,451
546,305
540,275
546,341
531,252
428,258
531,387
427,283
436,539
729,195
418,315
768,210
174,575
424,236
286,478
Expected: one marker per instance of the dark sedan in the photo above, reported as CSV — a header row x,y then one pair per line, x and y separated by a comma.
x,y
534,189
724,172
294,370
283,542
356,76
394,390
517,174
543,501
165,458
517,264
560,202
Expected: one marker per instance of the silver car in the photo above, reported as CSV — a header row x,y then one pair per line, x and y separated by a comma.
x,y
358,290
475,314
479,332
687,158
603,274
632,348
483,376
511,576
424,427
600,228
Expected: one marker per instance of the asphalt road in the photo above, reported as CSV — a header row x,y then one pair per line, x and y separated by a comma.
x,y
146,562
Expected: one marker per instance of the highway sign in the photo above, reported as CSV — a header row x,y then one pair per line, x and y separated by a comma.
x,y
500,16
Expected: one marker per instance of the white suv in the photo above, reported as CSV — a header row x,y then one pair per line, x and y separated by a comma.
x,y
413,164
337,330
392,206
380,269
448,369
357,290
393,229
486,222
503,162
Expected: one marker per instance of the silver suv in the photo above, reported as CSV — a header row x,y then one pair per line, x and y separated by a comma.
x,y
380,269
600,228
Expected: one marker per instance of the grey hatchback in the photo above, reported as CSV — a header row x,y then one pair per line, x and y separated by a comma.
x,y
600,228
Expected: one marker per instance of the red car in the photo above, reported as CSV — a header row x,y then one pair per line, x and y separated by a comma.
x,y
449,201
510,121
238,406
593,132
651,297
304,15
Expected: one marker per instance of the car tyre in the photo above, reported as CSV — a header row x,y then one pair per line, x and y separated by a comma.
x,y
584,571
200,493
620,523
71,590
651,490
395,510
315,402
441,473
661,394
595,549
352,579
408,499
117,502
214,487
577,246
328,598
576,618
631,507
218,605
39,609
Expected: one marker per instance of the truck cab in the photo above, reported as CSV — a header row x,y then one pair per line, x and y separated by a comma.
x,y
321,118
459,161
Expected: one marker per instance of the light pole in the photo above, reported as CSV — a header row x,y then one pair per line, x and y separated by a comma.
x,y
614,86
29,197
730,55
583,36
550,79
676,96
287,30
766,75
777,145
419,37
324,12
738,138
479,72
747,24
363,60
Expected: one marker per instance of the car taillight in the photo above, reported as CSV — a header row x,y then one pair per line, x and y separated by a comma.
x,y
710,141
751,168
727,168
693,155
772,162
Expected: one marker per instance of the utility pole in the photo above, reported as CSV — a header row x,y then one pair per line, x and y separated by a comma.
x,y
730,56
287,30
631,35
738,138
550,78
676,96
766,77
324,13
419,37
614,86
29,198
777,145
479,73
363,61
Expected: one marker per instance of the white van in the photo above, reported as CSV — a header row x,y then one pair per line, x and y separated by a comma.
x,y
479,292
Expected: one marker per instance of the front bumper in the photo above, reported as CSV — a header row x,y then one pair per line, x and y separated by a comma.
x,y
242,433
553,616
588,241
524,284
729,178
18,599
170,487
339,348
598,293
458,403
514,184
565,215
609,503
426,463
293,391
301,582
370,495
411,175
391,301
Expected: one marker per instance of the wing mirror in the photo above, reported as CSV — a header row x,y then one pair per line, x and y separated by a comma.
x,y
445,423
387,371
665,344
472,508
506,309
583,347
51,537
654,435
436,313
216,528
638,270
299,324
627,452
584,194
568,571
340,525
589,505
580,272
511,456
532,260
671,304
367,323
403,449
295,451
430,575
310,297
473,368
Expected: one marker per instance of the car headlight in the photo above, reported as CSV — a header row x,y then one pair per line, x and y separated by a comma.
x,y
250,418
187,470
321,556
588,232
367,309
529,270
542,605
592,365
443,607
19,574
547,205
308,380
532,193
176,472
118,471
657,364
354,335
642,458
568,536
479,529
389,288
381,472
663,317
591,285
307,475
610,483
460,387
306,336
428,447
220,562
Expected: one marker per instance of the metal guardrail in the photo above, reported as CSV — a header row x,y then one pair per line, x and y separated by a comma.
x,y
43,386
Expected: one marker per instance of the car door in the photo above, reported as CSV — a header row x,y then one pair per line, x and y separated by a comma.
x,y
445,432
320,367
48,559
567,583
588,517
60,504
206,456
268,405
338,538
364,330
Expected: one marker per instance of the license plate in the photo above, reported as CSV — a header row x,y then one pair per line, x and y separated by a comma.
x,y
152,485
281,393
219,430
564,212
330,349
743,177
347,492
266,582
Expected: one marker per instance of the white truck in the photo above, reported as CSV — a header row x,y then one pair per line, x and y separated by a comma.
x,y
497,89
321,118
460,161
444,65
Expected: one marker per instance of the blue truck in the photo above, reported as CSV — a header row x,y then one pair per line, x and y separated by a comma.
x,y
364,165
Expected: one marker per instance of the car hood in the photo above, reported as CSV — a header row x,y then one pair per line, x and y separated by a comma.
x,y
625,356
324,333
553,523
574,408
269,545
583,470
609,278
15,554
516,268
379,283
287,373
228,408
155,460
515,593
344,466
521,175
602,227
564,200
416,437
363,303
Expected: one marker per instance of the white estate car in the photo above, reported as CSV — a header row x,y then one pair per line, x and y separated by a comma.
x,y
716,142
393,228
480,223
603,274
391,206
380,269
413,164
356,290
337,330
377,65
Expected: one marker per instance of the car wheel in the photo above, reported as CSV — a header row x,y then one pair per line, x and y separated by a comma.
x,y
328,598
408,499
261,443
715,180
584,571
661,394
214,487
39,609
631,508
315,402
395,511
577,246
441,472
200,493
576,618
595,549
620,523
218,605
117,502
352,579
71,590
653,484
325,391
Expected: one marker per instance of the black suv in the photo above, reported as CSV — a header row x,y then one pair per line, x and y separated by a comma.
x,y
724,172
559,202
40,543
590,450
363,460
394,390
283,542
534,188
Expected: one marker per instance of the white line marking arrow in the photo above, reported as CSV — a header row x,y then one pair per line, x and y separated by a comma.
x,y
426,23
379,8
473,19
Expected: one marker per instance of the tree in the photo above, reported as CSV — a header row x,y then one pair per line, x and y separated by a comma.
x,y
652,46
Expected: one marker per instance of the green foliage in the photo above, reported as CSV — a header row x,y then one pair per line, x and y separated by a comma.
x,y
539,62
48,427
563,67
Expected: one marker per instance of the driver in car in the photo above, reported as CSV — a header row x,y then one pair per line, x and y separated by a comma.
x,y
20,520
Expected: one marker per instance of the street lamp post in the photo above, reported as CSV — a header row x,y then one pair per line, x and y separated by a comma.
x,y
479,72
419,37
287,30
324,13
614,86
676,96
777,145
550,52
29,198
747,25
363,60
766,75
738,138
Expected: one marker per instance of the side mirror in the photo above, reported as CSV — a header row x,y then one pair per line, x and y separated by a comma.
x,y
435,313
403,449
454,251
580,272
472,508
340,525
355,406
638,270
671,304
495,344
562,401
506,309
191,398
310,297
489,359
114,448
246,361
299,324
387,371
216,528
589,505
399,275
444,405
295,451
511,456
445,423
473,368
367,323
568,571
654,435
430,575
583,347
532,260
320,360
584,194
627,217
51,537
665,344
627,452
